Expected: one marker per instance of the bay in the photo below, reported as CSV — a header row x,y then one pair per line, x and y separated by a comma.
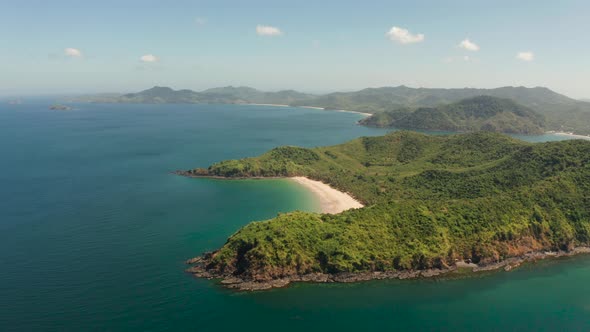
x,y
94,231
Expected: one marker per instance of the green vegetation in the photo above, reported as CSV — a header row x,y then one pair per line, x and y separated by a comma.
x,y
478,113
561,113
225,95
431,200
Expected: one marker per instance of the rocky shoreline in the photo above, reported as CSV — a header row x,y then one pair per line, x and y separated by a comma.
x,y
199,270
203,175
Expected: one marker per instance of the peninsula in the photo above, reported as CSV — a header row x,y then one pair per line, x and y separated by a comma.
x,y
433,205
402,106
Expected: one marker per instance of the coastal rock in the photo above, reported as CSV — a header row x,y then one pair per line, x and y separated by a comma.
x,y
259,282
194,260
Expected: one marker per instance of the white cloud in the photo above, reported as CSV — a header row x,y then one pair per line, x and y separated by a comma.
x,y
149,58
466,58
403,36
200,21
469,45
264,30
525,56
73,52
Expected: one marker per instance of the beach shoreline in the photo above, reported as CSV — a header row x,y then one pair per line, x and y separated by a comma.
x,y
273,105
310,107
559,133
331,200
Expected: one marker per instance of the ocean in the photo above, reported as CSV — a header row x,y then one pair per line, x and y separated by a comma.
x,y
94,231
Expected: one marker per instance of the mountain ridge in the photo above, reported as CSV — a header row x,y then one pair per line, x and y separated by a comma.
x,y
472,114
562,113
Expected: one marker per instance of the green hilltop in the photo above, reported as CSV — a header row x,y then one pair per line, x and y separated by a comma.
x,y
430,201
473,114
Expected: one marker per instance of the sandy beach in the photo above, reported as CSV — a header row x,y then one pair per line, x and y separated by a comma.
x,y
361,113
570,135
311,107
275,105
331,110
331,200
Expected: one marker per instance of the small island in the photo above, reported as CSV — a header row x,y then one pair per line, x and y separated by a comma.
x,y
432,205
59,107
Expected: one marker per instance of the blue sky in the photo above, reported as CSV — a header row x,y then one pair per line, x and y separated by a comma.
x,y
63,46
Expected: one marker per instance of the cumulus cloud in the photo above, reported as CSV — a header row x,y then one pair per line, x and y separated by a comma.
x,y
525,56
149,58
264,30
403,36
469,45
73,52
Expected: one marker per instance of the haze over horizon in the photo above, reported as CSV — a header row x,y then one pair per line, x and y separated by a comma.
x,y
65,47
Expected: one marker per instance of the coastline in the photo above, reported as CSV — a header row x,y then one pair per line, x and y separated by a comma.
x,y
199,270
274,105
310,107
331,200
568,135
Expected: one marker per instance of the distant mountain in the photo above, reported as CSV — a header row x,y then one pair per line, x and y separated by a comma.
x,y
561,113
161,95
387,98
224,95
249,95
473,114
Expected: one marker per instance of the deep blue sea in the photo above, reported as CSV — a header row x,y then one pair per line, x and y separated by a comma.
x,y
94,231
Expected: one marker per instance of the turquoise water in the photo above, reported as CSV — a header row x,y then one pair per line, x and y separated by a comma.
x,y
94,231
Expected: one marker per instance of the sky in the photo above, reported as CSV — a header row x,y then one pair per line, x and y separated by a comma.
x,y
71,47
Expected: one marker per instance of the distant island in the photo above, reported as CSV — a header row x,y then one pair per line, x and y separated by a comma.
x,y
59,107
561,113
433,205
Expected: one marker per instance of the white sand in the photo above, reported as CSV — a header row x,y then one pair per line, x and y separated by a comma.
x,y
570,135
313,107
331,110
310,107
361,113
274,105
331,200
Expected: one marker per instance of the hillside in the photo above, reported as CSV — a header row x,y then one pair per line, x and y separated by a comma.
x,y
431,201
225,95
387,98
561,113
473,114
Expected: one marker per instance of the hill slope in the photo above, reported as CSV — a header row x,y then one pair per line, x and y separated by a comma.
x,y
478,113
225,95
432,201
561,113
